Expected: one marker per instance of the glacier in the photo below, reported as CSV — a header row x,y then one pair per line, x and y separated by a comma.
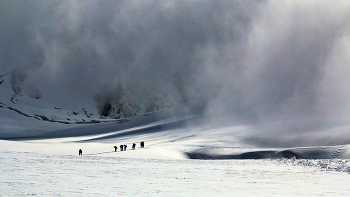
x,y
230,97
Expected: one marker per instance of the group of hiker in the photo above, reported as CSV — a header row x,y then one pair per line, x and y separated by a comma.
x,y
122,147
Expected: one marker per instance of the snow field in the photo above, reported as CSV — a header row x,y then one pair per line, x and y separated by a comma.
x,y
46,169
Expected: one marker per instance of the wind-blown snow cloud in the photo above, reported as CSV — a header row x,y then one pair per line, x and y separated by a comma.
x,y
248,61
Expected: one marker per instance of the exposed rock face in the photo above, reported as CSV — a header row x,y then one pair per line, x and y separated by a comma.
x,y
20,86
122,104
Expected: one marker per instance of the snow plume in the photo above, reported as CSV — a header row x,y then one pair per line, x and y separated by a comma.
x,y
149,47
284,69
279,63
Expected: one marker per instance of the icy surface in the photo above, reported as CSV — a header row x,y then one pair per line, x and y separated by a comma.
x,y
339,165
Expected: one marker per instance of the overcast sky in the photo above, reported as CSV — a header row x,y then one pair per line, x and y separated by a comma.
x,y
250,61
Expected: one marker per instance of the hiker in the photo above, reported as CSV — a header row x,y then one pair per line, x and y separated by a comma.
x,y
125,146
133,146
142,144
121,147
115,148
80,152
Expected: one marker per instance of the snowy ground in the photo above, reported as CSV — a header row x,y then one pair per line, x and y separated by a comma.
x,y
54,168
50,164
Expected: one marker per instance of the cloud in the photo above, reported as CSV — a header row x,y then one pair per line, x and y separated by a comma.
x,y
282,68
240,61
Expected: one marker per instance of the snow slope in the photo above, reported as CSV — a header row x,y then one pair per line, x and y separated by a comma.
x,y
183,157
24,116
48,164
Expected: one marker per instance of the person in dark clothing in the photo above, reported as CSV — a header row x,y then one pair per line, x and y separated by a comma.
x,y
115,148
142,144
133,146
121,147
125,146
80,152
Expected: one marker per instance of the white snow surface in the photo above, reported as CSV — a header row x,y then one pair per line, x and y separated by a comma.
x,y
42,158
52,167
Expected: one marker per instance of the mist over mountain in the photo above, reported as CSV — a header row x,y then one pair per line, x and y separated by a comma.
x,y
280,63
